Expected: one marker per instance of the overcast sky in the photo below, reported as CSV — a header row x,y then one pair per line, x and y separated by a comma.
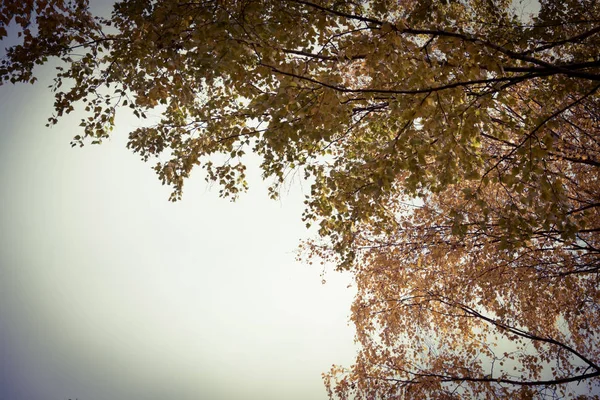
x,y
110,292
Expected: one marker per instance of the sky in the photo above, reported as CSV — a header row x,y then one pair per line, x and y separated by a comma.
x,y
108,291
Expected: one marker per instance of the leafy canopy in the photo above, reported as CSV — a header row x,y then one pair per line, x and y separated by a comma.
x,y
453,149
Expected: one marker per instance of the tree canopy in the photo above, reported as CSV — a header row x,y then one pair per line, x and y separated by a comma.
x,y
452,148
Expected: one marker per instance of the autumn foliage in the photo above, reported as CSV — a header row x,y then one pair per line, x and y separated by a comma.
x,y
453,149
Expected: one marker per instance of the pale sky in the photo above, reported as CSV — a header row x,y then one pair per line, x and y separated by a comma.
x,y
108,291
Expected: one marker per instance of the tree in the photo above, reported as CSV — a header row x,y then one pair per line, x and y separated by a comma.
x,y
453,149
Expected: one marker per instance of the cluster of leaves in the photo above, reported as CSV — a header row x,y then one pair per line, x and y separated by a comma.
x,y
453,149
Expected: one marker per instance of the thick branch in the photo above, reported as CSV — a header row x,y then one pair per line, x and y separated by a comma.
x,y
398,91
